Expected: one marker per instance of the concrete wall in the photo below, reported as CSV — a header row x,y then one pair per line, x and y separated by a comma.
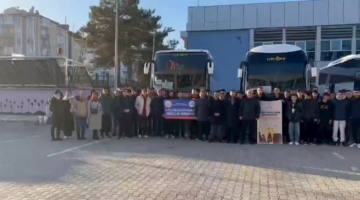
x,y
280,14
228,49
28,101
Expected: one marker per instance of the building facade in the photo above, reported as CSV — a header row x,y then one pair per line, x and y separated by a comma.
x,y
325,29
31,34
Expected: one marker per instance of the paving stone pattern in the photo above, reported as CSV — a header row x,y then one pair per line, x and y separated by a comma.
x,y
165,169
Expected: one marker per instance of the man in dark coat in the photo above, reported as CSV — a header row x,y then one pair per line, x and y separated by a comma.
x,y
57,116
249,114
217,118
326,116
127,111
157,112
355,118
310,118
261,95
232,118
201,112
116,114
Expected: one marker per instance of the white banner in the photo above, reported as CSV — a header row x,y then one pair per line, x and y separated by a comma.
x,y
269,125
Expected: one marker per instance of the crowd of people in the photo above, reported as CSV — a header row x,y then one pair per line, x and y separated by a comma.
x,y
308,118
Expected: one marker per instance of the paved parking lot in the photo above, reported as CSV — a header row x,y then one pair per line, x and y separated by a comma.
x,y
33,167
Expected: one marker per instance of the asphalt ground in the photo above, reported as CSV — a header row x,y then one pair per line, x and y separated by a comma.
x,y
33,167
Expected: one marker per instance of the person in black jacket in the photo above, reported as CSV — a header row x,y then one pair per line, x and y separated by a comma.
x,y
341,115
249,114
116,115
294,111
157,112
126,111
310,118
57,109
326,116
355,119
217,118
261,95
201,112
232,118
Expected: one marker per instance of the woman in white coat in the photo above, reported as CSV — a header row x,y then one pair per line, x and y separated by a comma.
x,y
94,115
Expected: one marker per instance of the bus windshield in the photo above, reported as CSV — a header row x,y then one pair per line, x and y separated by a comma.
x,y
281,75
181,61
181,70
284,70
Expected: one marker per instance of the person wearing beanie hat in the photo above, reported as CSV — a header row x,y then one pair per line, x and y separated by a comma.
x,y
341,114
57,115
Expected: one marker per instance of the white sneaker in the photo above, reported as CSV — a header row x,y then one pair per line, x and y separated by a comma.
x,y
173,137
145,136
353,145
291,143
65,137
139,136
166,136
297,144
358,146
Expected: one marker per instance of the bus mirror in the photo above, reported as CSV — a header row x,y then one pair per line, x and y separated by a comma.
x,y
210,67
146,68
239,73
313,72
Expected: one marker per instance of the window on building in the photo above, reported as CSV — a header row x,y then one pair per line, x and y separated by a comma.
x,y
357,46
310,49
290,43
266,43
334,49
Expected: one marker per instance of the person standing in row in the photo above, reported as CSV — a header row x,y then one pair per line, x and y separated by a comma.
x,y
142,105
57,116
201,112
80,111
157,111
294,111
232,112
355,119
116,114
249,114
217,118
310,118
341,109
94,120
127,110
69,124
326,116
107,105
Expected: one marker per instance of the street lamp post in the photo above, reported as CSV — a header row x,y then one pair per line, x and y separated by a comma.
x,y
153,46
116,58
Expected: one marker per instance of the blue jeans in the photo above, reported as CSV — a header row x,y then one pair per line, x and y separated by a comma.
x,y
294,131
80,126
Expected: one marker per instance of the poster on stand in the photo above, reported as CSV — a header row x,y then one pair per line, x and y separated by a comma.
x,y
269,125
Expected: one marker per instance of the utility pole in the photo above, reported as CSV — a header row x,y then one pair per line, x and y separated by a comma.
x,y
116,61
